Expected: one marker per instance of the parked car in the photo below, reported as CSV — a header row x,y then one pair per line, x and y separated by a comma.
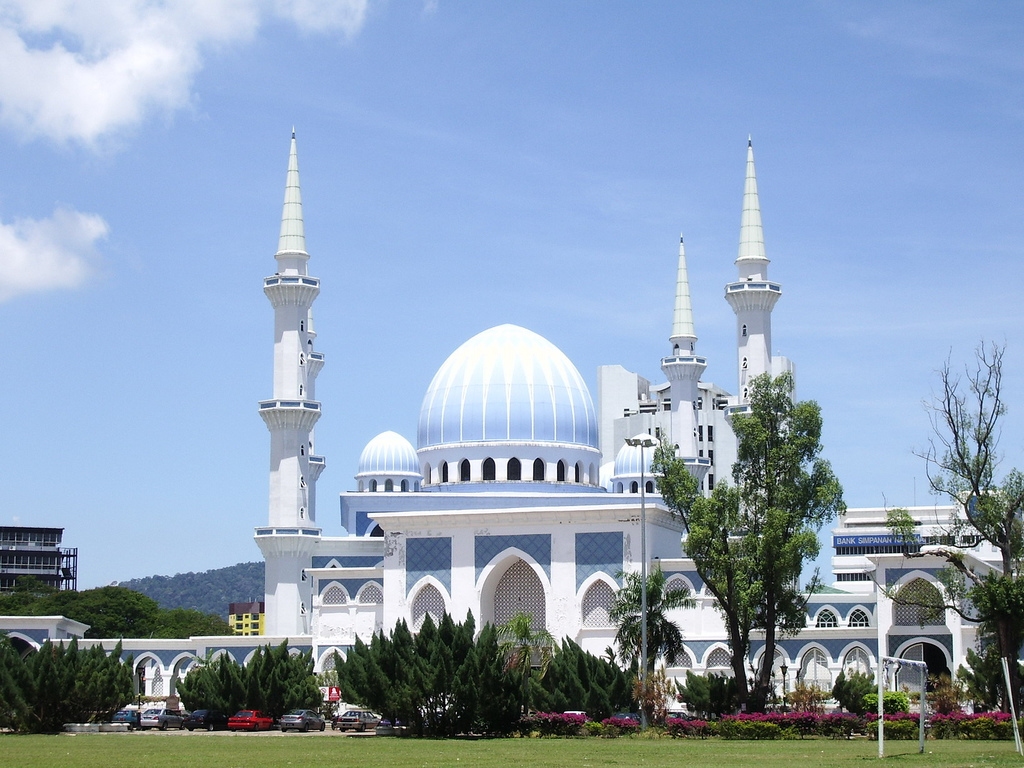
x,y
250,720
206,719
356,720
162,719
302,720
130,716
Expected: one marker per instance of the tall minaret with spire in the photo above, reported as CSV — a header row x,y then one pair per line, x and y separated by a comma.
x,y
291,536
683,370
752,297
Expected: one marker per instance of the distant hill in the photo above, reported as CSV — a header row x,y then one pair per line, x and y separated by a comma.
x,y
209,591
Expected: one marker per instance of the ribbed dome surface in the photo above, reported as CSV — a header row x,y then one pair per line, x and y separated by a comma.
x,y
507,384
627,460
388,454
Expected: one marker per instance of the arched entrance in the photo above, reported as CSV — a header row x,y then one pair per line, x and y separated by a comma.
x,y
931,654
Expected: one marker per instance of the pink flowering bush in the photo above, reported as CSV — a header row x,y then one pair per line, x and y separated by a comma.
x,y
679,728
552,724
982,726
620,726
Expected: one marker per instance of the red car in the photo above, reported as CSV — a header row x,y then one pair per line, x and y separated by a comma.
x,y
250,720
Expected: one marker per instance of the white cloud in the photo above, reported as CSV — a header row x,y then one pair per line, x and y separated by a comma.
x,y
43,254
77,70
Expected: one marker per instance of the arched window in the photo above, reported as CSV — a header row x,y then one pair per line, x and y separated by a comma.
x,y
743,332
464,470
371,594
520,590
334,595
373,485
488,469
859,618
720,658
405,486
515,469
560,471
649,486
360,486
377,532
826,620
428,600
444,471
302,450
578,474
743,365
389,485
634,487
596,603
912,605
857,660
618,487
814,670
538,469
426,474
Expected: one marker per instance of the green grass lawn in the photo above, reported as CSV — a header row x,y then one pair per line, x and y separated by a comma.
x,y
181,750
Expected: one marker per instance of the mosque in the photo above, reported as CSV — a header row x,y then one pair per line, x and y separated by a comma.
x,y
523,495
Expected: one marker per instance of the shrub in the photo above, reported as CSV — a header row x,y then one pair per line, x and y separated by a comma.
x,y
756,727
980,727
552,724
620,726
851,691
839,725
677,728
898,726
892,703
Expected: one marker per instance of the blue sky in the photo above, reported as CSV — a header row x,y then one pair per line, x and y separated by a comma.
x,y
465,165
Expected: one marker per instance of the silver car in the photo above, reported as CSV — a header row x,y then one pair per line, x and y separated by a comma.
x,y
162,719
302,720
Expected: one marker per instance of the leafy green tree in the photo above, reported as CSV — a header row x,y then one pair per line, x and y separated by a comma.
x,y
14,686
749,541
187,622
850,691
498,703
579,681
664,638
963,463
709,695
525,648
217,683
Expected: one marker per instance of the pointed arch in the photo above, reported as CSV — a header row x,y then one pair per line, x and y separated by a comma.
x,y
514,470
826,619
560,471
488,469
814,669
335,594
464,471
428,600
596,604
910,605
519,590
538,469
578,472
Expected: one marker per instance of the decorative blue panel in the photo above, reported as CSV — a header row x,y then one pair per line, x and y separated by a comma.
x,y
691,576
895,641
892,575
428,557
794,648
536,545
349,561
597,553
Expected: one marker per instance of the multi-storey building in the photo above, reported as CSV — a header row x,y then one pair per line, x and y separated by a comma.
x,y
36,552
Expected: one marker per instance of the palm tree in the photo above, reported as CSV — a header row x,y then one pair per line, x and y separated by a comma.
x,y
524,648
664,639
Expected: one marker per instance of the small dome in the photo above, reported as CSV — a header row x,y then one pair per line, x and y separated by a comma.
x,y
388,454
627,460
507,384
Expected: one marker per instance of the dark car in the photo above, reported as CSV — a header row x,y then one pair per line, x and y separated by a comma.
x,y
130,716
356,720
206,719
302,720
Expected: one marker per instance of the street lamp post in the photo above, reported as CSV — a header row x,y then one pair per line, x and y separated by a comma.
x,y
642,442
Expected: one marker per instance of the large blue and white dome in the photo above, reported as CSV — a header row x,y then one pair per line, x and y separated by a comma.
x,y
507,384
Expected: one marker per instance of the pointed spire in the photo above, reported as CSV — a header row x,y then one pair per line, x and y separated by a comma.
x,y
751,232
293,234
682,317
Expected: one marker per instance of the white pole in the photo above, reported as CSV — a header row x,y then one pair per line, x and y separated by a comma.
x,y
881,708
1013,709
922,707
643,593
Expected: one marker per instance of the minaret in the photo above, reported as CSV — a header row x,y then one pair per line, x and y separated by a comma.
x,y
753,296
683,370
291,536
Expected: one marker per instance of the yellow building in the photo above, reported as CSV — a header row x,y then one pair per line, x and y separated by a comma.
x,y
246,618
